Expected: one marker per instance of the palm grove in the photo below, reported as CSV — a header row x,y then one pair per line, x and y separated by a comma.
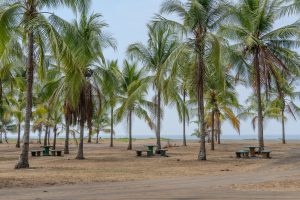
x,y
55,79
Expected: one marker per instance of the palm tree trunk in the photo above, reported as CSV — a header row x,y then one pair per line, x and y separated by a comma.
x,y
212,144
46,135
283,127
90,135
98,132
183,119
200,91
5,137
258,93
19,136
23,160
66,149
1,95
158,120
40,136
54,137
130,130
219,128
111,126
80,146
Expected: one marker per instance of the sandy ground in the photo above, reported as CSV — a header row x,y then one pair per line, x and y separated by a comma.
x,y
115,173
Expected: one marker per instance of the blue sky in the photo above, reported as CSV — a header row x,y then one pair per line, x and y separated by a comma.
x,y
127,21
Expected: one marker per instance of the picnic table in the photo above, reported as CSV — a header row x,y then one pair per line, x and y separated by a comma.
x,y
252,150
46,151
150,148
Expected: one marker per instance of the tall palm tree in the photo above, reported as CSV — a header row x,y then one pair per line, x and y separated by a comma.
x,y
156,56
261,51
84,41
270,110
27,17
134,85
285,96
109,75
199,19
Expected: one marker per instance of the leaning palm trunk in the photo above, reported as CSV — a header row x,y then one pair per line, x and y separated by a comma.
x,y
130,130
19,135
66,149
200,91
112,126
258,93
158,120
283,127
23,160
212,144
80,146
183,119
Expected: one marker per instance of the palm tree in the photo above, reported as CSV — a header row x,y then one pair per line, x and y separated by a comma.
x,y
101,123
27,17
134,86
199,19
260,50
84,41
285,97
270,110
109,75
17,107
156,56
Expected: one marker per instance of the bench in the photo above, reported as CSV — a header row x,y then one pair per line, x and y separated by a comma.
x,y
242,153
140,151
56,152
162,152
265,154
35,153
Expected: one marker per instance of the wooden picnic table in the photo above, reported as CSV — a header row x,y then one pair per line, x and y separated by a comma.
x,y
46,151
150,148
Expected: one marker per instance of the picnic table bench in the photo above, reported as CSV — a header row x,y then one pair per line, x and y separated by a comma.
x,y
35,153
140,151
242,153
265,153
162,152
55,152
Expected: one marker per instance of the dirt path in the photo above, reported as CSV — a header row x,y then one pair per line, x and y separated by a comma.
x,y
204,187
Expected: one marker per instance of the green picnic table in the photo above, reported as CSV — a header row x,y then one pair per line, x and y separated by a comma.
x,y
46,151
150,148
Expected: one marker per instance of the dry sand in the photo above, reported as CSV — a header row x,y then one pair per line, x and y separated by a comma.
x,y
115,173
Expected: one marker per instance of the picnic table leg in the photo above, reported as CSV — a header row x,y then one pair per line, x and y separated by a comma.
x,y
150,148
252,152
149,153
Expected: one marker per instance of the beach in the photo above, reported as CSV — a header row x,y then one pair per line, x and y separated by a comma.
x,y
110,169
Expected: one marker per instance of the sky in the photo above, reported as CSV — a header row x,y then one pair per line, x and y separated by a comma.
x,y
127,21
